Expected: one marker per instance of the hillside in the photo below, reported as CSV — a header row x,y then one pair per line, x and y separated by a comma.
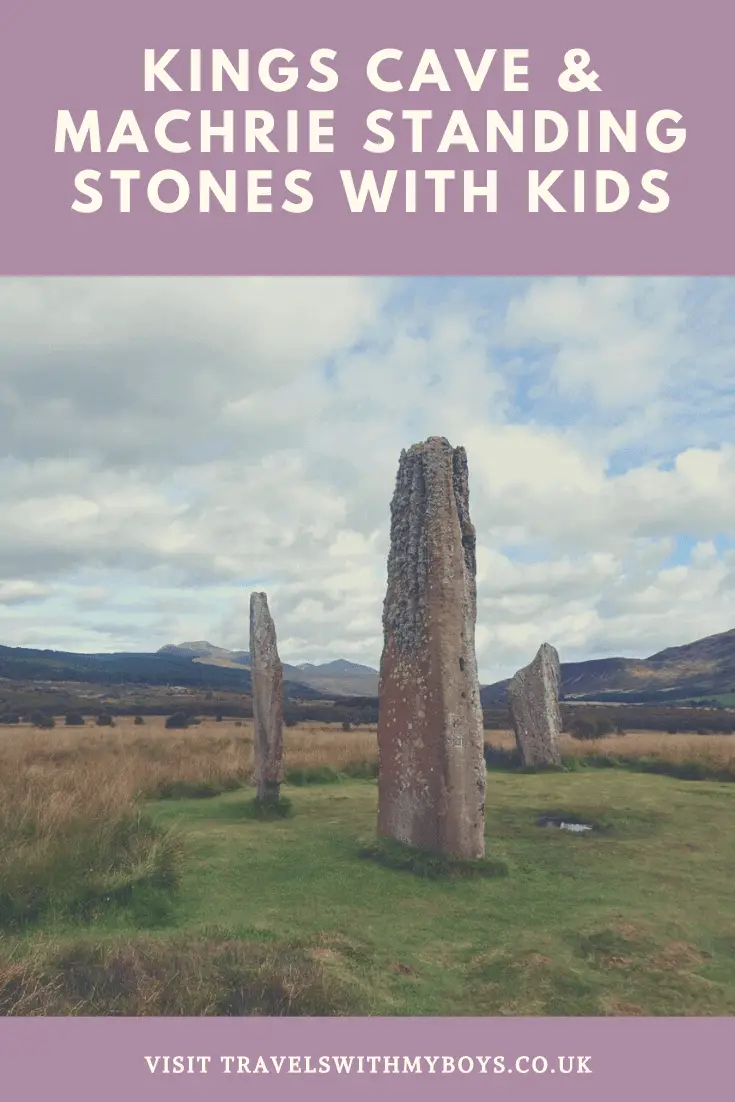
x,y
202,650
704,668
339,678
336,678
25,664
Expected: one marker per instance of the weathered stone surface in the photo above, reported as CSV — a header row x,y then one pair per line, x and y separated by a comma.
x,y
266,673
533,700
430,734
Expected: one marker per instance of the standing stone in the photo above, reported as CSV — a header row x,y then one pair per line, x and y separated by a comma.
x,y
533,700
430,732
266,673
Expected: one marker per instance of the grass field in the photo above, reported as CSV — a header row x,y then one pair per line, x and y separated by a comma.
x,y
696,756
116,897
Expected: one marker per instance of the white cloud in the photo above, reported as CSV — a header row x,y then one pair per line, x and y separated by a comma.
x,y
16,591
171,443
613,338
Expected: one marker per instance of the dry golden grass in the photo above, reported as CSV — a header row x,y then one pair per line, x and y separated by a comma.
x,y
715,751
68,795
70,832
182,976
316,745
69,829
50,779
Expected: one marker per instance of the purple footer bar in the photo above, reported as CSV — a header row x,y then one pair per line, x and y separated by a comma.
x,y
607,1060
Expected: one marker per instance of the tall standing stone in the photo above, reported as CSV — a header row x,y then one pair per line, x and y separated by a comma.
x,y
533,700
430,732
266,674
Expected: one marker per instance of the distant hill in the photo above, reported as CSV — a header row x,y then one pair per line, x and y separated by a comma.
x,y
339,678
704,668
336,678
201,651
173,669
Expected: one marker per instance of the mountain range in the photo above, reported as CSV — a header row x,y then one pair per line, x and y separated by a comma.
x,y
340,677
704,669
144,669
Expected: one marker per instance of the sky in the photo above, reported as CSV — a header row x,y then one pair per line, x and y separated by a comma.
x,y
170,444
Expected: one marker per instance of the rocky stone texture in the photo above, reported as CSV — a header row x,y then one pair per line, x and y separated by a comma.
x,y
266,673
430,734
533,699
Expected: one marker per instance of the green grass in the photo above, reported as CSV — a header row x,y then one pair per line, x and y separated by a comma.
x,y
694,770
637,917
268,810
128,861
498,758
434,866
195,790
726,699
325,774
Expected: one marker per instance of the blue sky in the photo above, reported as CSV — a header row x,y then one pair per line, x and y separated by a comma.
x,y
170,444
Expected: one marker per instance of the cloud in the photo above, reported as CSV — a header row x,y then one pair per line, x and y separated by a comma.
x,y
170,444
20,592
134,371
614,340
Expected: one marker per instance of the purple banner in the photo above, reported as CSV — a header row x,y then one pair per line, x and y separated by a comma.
x,y
175,137
604,1060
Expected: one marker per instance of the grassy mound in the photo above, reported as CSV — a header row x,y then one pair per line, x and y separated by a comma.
x,y
179,977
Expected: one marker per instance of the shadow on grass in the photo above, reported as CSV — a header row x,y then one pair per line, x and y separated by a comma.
x,y
432,866
239,810
265,812
194,790
325,774
509,761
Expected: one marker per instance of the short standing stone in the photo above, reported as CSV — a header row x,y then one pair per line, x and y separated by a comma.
x,y
430,731
533,700
266,674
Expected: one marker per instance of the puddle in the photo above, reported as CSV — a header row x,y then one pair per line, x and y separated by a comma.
x,y
564,822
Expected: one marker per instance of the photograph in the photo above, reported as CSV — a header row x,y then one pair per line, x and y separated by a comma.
x,y
367,646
